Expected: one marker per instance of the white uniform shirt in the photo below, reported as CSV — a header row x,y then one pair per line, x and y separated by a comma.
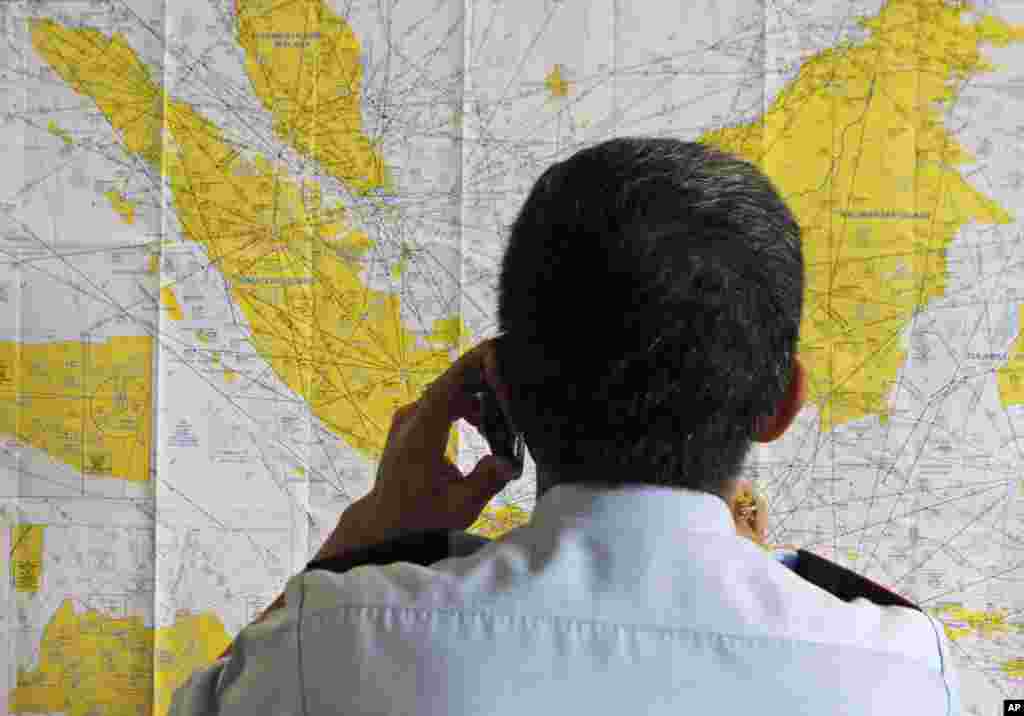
x,y
637,600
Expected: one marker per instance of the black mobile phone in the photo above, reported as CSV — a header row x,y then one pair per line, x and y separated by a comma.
x,y
494,426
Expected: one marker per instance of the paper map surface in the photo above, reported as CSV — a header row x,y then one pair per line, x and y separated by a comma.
x,y
235,235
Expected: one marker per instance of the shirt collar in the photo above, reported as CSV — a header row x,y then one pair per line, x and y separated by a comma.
x,y
629,507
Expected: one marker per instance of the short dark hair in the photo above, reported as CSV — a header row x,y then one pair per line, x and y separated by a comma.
x,y
649,309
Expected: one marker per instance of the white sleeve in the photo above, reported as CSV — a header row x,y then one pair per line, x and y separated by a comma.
x,y
260,675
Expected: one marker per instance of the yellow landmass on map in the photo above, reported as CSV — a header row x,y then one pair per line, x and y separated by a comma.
x,y
399,268
496,520
959,622
133,98
857,146
170,302
1010,376
56,131
855,142
87,405
303,63
1014,668
27,557
91,663
556,84
122,206
293,265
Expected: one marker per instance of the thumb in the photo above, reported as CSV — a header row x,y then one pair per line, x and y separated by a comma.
x,y
506,469
483,482
493,473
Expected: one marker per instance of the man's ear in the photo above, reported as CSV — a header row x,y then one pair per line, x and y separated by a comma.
x,y
771,427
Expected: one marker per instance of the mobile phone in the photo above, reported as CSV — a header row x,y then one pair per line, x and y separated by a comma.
x,y
494,426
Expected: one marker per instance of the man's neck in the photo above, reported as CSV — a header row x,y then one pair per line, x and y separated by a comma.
x,y
548,478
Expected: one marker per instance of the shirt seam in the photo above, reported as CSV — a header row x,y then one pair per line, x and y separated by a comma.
x,y
942,665
635,627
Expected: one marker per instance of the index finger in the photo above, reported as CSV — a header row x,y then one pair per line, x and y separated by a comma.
x,y
444,401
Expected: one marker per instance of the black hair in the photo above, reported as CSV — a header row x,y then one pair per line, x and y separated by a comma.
x,y
649,307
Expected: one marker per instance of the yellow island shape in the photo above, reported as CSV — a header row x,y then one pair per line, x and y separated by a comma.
x,y
303,63
857,147
88,405
92,663
293,264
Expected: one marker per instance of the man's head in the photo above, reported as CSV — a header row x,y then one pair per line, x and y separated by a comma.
x,y
650,300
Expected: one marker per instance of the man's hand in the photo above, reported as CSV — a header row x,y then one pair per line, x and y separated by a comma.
x,y
750,513
417,487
